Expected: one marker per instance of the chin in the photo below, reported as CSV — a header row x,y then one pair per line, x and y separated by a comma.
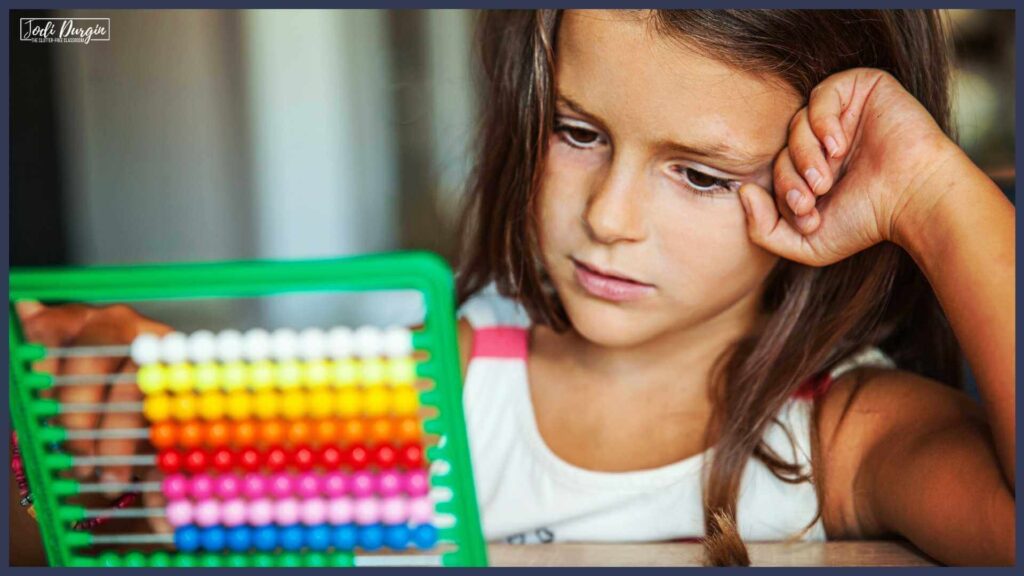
x,y
607,324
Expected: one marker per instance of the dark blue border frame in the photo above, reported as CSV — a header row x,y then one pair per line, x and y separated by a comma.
x,y
120,4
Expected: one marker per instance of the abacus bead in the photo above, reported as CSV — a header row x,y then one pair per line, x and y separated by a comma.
x,y
408,429
157,407
367,342
405,401
366,511
354,430
276,458
174,487
313,511
317,373
344,536
196,460
184,407
229,346
181,560
211,405
397,536
110,559
318,538
250,459
312,342
371,537
244,433
293,404
331,457
265,538
397,342
272,432
346,372
163,434
402,371
357,456
208,376
159,559
254,486
325,431
410,456
262,374
335,484
303,458
339,510
227,486
307,485
234,512
201,346
364,484
145,349
394,510
374,371
261,512
190,434
173,348
179,512
384,456
265,404
223,460
186,539
376,401
135,560
152,378
206,512
348,402
201,487
218,433
289,374
263,560
416,482
421,510
292,537
281,485
256,344
239,405
284,344
299,432
239,539
380,429
213,539
234,376
339,342
320,404
424,536
169,461
389,483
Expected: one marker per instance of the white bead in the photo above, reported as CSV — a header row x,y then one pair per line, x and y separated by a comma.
x,y
312,344
284,344
256,344
174,348
397,342
229,346
339,343
146,349
367,342
202,346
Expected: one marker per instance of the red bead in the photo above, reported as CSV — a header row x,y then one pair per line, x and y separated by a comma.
x,y
196,460
357,456
303,458
384,456
331,457
410,456
169,461
250,459
223,460
276,458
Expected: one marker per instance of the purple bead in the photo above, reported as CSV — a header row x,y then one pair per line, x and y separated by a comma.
x,y
421,510
207,513
281,485
364,484
307,485
261,512
227,486
366,511
286,511
335,484
416,483
394,510
234,512
389,483
254,486
175,487
339,510
179,512
201,487
314,511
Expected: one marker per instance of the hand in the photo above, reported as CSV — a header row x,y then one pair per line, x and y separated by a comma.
x,y
856,160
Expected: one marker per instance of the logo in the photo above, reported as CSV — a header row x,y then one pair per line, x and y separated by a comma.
x,y
65,30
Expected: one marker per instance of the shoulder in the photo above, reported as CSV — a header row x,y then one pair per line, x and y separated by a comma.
x,y
465,336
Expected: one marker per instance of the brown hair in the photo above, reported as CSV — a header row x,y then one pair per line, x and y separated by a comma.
x,y
819,315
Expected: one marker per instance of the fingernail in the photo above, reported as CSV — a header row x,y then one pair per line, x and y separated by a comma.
x,y
832,146
813,177
793,199
745,203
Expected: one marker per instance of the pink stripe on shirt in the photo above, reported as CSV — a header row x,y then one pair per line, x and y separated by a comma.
x,y
499,342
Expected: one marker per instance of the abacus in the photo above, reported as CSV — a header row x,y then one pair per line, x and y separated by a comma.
x,y
314,446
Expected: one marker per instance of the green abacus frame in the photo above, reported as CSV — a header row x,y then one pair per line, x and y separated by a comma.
x,y
421,271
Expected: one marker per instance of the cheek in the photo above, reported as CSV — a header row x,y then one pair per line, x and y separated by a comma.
x,y
562,194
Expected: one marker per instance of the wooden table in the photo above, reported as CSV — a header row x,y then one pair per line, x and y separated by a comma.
x,y
870,553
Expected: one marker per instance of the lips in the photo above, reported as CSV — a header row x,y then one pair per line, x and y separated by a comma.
x,y
609,285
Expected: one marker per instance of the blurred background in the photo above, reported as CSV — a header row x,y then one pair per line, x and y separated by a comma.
x,y
209,135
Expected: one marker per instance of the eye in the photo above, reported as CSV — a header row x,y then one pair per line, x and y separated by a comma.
x,y
702,182
577,135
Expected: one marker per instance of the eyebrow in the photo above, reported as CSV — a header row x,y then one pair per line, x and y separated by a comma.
x,y
712,151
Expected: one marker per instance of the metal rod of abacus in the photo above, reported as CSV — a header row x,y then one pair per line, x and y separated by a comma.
x,y
118,487
108,434
93,379
89,351
115,460
99,407
133,538
124,513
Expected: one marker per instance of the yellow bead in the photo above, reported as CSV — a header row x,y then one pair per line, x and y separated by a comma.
x,y
212,405
376,401
235,376
293,404
185,407
152,378
405,401
261,375
346,372
265,404
289,374
317,373
181,377
157,407
239,405
348,402
401,371
320,403
374,371
207,376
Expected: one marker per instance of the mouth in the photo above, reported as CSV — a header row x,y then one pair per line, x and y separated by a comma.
x,y
610,285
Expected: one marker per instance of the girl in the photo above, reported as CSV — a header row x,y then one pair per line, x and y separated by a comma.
x,y
707,256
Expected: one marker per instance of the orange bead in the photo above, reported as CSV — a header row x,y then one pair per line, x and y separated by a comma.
x,y
244,434
163,434
381,429
299,432
191,434
407,430
353,430
218,433
272,432
326,431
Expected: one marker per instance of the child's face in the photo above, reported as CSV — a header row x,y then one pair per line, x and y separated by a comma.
x,y
617,196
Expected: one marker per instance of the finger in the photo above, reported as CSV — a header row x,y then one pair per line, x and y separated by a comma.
x,y
83,394
767,228
824,108
155,499
793,197
26,309
808,156
125,392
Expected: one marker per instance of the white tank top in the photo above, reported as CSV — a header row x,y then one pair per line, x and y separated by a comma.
x,y
528,494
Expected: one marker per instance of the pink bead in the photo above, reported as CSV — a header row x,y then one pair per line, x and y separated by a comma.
x,y
366,511
201,487
179,512
364,484
286,511
389,483
227,486
175,487
207,513
261,512
233,512
254,486
394,510
335,484
339,510
281,485
421,511
314,511
307,485
416,483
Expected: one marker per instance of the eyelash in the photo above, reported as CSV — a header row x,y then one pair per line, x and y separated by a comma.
x,y
563,129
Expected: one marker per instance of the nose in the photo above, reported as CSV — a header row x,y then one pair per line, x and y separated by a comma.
x,y
614,210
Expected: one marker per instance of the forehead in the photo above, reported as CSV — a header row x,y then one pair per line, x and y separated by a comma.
x,y
625,72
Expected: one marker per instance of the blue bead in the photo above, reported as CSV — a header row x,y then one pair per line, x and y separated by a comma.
x,y
186,538
213,538
343,536
264,538
425,536
318,538
292,537
396,537
239,538
371,537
